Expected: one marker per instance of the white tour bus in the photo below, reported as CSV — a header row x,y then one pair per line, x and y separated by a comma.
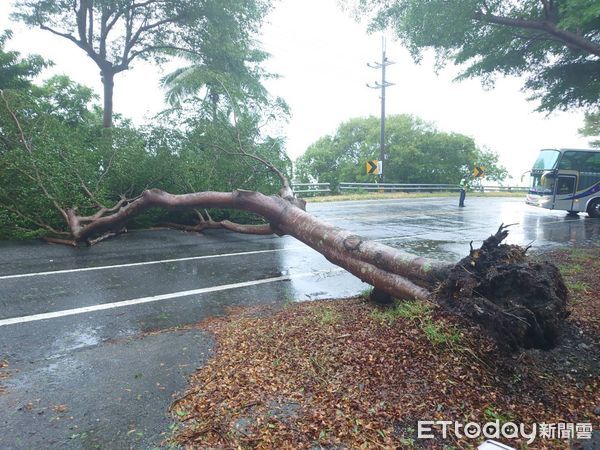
x,y
567,179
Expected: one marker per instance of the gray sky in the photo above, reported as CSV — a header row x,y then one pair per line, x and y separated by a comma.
x,y
320,52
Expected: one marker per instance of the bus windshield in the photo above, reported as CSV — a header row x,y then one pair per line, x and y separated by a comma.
x,y
546,160
541,184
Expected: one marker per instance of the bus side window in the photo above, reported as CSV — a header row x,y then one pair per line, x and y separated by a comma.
x,y
567,162
593,163
589,170
565,185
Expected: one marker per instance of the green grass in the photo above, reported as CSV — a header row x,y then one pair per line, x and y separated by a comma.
x,y
577,286
490,414
570,269
419,312
409,310
578,254
327,316
578,261
440,333
366,293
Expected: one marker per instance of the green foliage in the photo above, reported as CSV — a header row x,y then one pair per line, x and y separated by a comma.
x,y
54,155
228,67
15,72
591,127
216,34
554,44
122,30
215,139
416,153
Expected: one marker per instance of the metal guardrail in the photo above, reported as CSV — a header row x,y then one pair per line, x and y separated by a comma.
x,y
504,188
325,188
312,188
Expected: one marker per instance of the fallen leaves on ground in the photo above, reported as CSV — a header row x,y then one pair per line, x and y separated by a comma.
x,y
346,374
4,373
581,271
60,408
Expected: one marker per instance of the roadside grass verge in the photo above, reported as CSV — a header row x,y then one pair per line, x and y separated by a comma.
x,y
580,269
348,374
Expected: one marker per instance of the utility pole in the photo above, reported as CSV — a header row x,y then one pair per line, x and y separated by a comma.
x,y
382,65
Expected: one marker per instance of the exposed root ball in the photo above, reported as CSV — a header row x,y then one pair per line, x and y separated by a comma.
x,y
519,303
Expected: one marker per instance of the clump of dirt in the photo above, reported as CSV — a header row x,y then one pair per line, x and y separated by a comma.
x,y
520,303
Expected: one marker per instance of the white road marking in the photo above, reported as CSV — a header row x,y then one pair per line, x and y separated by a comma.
x,y
164,261
145,263
156,298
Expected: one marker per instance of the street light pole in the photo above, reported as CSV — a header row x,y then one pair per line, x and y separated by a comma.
x,y
382,65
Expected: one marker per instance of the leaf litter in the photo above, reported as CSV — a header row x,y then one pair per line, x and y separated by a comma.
x,y
347,374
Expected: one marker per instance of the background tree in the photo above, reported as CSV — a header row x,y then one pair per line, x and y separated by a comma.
x,y
591,128
52,155
114,33
229,71
16,72
555,44
416,153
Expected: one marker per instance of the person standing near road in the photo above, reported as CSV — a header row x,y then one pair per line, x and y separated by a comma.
x,y
464,185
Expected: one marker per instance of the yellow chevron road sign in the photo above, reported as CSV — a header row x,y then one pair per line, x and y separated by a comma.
x,y
478,171
374,167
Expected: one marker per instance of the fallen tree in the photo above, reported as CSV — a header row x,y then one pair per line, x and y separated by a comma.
x,y
519,303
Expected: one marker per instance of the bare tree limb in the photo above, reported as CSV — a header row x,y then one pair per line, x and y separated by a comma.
x,y
546,26
54,240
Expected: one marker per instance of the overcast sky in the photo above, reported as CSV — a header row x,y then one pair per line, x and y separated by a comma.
x,y
320,52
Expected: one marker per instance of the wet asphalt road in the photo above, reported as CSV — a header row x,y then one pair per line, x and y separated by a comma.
x,y
103,378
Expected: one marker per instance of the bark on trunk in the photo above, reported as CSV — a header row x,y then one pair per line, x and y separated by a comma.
x,y
373,263
108,81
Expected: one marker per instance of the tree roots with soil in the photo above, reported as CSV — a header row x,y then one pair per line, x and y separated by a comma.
x,y
518,302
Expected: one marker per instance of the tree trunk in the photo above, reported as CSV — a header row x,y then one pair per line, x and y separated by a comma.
x,y
376,264
108,81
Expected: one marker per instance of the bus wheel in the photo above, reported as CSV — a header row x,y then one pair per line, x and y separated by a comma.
x,y
593,208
